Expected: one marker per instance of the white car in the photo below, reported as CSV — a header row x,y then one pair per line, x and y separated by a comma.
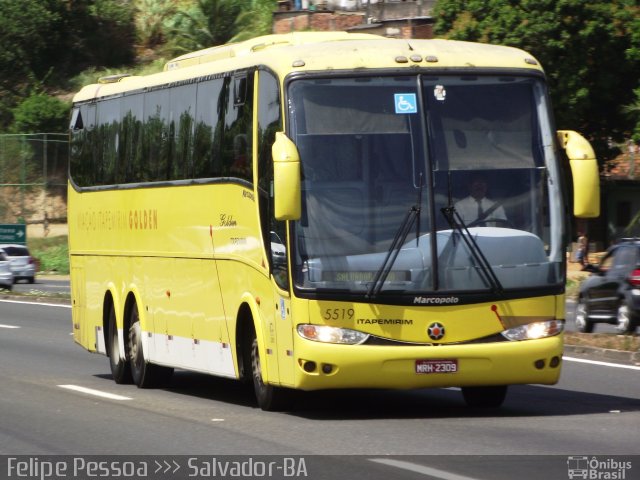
x,y
6,277
22,264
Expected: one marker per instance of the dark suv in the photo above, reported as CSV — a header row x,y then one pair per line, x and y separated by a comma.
x,y
612,293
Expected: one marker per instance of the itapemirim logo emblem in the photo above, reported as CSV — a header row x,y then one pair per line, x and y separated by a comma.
x,y
594,468
435,331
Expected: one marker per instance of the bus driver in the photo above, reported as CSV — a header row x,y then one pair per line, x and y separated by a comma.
x,y
476,209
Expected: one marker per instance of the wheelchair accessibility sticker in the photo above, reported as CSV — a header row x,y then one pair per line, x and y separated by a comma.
x,y
406,103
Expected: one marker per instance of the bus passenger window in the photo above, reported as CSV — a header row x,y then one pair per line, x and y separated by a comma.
x,y
241,165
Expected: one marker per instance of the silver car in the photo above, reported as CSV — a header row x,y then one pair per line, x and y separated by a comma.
x,y
6,277
22,264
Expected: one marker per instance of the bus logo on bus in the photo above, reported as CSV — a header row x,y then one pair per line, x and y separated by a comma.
x,y
435,300
436,331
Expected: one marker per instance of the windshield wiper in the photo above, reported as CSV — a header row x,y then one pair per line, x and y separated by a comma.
x,y
420,185
413,216
394,250
455,221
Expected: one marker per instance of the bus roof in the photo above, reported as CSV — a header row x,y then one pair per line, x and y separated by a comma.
x,y
321,51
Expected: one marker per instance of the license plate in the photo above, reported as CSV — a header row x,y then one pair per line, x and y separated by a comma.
x,y
436,366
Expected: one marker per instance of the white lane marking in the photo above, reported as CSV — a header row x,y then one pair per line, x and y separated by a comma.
x,y
62,305
414,467
8,326
97,393
603,364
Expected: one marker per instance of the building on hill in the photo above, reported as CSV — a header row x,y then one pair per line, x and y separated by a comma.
x,y
396,19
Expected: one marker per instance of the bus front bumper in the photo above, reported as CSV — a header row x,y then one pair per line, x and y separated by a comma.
x,y
330,366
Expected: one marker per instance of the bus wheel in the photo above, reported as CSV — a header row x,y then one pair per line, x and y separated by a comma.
x,y
144,374
269,397
120,369
484,397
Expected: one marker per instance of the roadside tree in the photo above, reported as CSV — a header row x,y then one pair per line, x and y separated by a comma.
x,y
590,52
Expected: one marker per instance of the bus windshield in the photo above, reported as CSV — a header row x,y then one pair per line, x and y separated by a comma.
x,y
442,183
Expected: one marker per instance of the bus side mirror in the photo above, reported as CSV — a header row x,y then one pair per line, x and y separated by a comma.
x,y
584,168
286,178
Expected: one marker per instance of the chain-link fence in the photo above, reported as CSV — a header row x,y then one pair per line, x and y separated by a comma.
x,y
33,178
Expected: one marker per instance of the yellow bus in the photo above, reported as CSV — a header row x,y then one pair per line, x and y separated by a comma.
x,y
326,210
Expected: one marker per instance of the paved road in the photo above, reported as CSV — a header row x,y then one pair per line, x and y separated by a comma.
x,y
594,410
48,284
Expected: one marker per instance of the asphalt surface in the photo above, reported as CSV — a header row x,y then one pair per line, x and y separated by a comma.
x,y
58,399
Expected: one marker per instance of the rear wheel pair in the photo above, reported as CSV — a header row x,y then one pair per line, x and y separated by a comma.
x,y
134,368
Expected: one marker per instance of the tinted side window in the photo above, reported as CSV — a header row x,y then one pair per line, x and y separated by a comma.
x,y
607,262
182,111
237,126
269,122
16,251
200,129
625,258
130,139
156,135
83,143
206,143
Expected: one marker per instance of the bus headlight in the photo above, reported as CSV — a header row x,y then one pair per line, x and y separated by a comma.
x,y
535,330
326,334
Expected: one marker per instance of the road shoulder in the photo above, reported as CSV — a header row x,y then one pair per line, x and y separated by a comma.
x,y
602,354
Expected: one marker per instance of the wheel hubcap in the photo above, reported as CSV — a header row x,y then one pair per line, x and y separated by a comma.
x,y
255,362
115,348
135,347
581,320
623,318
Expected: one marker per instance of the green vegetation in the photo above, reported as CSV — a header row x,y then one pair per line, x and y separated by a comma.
x,y
590,51
573,286
52,254
43,43
633,111
92,74
40,113
50,48
203,24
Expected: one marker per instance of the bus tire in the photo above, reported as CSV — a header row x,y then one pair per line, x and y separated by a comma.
x,y
120,369
269,397
484,397
144,374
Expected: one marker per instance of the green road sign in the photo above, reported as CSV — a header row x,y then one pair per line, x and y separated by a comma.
x,y
13,234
